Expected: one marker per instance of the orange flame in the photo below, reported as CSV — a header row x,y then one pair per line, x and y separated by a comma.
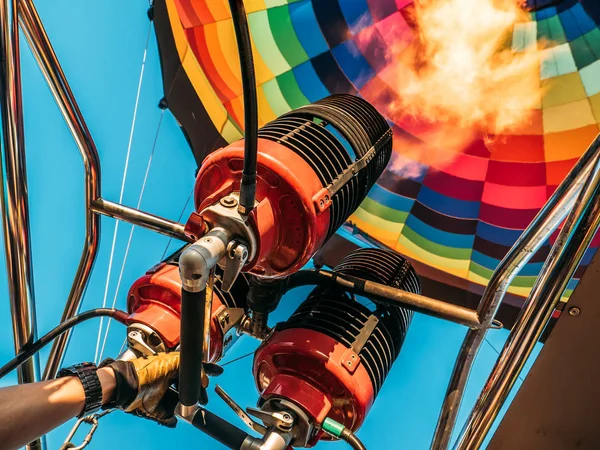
x,y
459,79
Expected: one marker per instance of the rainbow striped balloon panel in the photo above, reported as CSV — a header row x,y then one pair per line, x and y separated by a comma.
x,y
460,219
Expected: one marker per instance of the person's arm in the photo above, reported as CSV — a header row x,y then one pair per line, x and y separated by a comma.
x,y
29,411
139,386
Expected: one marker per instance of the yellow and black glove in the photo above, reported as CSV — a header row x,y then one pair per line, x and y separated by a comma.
x,y
143,386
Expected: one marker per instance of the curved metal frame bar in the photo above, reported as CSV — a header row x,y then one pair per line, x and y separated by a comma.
x,y
46,59
566,254
540,229
578,193
13,196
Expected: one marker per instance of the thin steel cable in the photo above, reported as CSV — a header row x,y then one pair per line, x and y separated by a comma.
x,y
122,346
178,220
139,204
498,353
125,169
238,359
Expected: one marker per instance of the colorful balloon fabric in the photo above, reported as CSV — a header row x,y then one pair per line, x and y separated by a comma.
x,y
459,220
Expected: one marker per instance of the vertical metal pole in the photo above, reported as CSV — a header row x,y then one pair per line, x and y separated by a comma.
x,y
566,254
13,195
542,226
44,54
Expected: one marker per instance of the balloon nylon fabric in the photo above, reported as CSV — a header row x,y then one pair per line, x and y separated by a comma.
x,y
459,220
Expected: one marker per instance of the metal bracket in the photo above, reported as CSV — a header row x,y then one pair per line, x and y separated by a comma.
x,y
350,359
235,260
228,320
139,339
239,411
324,198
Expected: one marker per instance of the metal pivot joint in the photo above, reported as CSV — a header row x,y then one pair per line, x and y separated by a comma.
x,y
276,427
196,262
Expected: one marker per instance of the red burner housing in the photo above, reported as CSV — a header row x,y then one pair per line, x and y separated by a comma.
x,y
155,301
288,227
316,372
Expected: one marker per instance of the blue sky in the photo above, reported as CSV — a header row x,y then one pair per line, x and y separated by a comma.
x,y
100,45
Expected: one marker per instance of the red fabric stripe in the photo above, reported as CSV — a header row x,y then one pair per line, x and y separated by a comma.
x,y
187,13
454,187
199,45
516,219
517,174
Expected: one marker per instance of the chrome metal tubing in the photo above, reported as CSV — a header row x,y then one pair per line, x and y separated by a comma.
x,y
388,295
46,59
565,255
540,229
141,218
13,196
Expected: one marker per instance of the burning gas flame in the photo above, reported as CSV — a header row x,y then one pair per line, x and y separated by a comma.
x,y
459,79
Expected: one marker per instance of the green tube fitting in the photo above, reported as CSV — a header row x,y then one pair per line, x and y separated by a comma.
x,y
332,427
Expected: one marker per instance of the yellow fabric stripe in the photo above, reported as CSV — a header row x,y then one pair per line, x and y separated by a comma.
x,y
457,267
377,227
227,44
215,109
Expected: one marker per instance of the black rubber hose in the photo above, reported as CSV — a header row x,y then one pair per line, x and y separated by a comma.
x,y
30,350
349,437
242,34
191,347
219,429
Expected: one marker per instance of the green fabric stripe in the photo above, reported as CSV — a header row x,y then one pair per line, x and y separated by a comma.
x,y
285,37
551,30
275,97
385,212
519,281
273,3
265,43
593,40
582,52
291,91
480,270
436,249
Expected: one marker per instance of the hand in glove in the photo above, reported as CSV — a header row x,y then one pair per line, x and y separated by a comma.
x,y
143,386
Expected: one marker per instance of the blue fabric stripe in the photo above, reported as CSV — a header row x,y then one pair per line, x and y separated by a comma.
x,y
530,269
497,235
307,28
573,282
576,22
448,205
352,62
484,260
309,82
343,140
587,256
545,13
357,14
389,199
